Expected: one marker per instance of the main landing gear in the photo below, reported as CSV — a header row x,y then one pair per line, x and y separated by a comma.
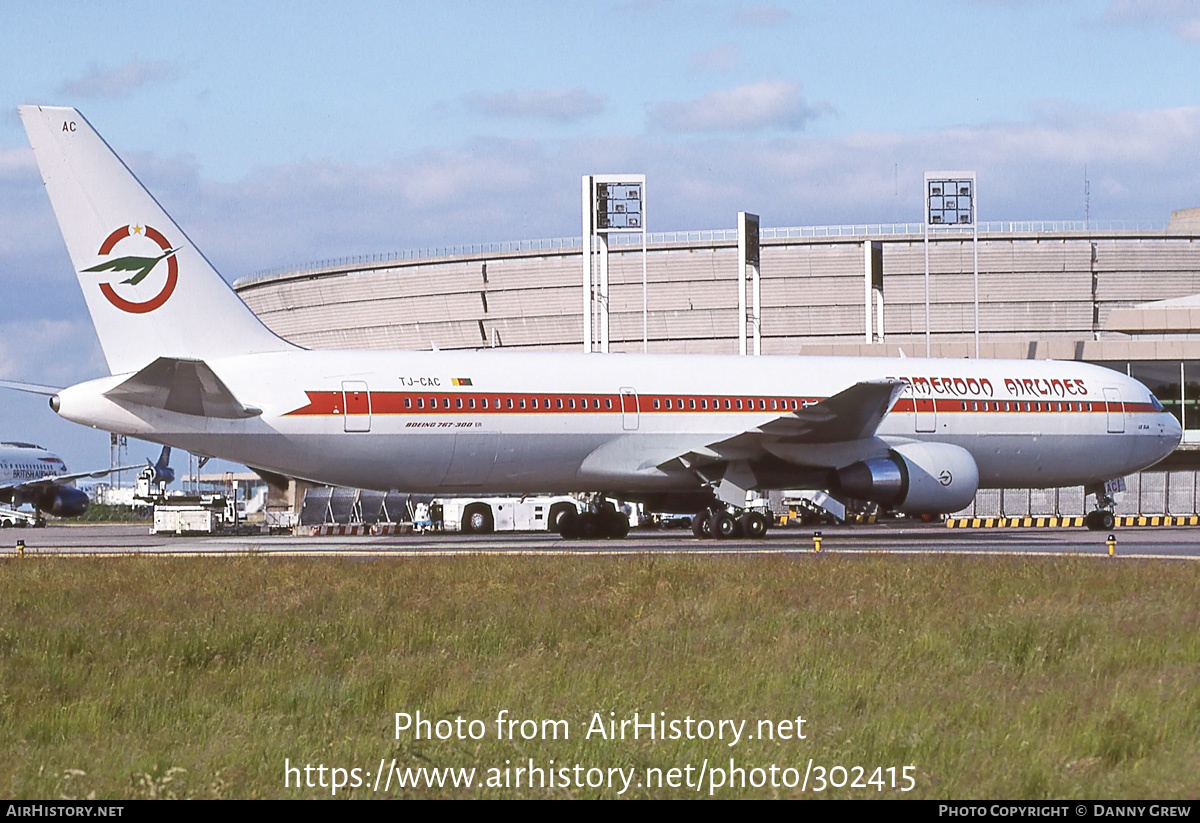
x,y
723,524
602,520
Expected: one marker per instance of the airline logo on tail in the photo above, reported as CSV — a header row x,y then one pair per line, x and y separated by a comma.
x,y
139,269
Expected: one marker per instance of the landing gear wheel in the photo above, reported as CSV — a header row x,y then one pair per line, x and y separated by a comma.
x,y
723,526
587,526
754,525
568,524
1100,520
614,524
557,512
700,524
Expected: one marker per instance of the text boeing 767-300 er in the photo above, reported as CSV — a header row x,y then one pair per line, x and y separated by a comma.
x,y
191,366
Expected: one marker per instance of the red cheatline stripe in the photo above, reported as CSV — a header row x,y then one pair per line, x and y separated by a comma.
x,y
442,403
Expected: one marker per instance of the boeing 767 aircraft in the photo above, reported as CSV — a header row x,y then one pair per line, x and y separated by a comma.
x,y
191,366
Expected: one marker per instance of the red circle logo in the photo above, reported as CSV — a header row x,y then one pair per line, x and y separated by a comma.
x,y
140,267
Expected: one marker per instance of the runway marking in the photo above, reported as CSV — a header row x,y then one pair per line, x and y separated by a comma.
x,y
340,554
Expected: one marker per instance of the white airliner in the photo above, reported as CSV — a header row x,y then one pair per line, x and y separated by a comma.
x,y
193,367
31,475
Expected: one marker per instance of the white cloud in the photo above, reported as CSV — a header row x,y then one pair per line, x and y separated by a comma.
x,y
54,352
555,105
1182,16
754,107
118,81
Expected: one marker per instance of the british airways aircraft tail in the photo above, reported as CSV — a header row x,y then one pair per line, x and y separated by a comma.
x,y
150,291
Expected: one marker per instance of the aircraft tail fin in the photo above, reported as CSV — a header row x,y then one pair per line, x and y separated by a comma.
x,y
161,472
151,293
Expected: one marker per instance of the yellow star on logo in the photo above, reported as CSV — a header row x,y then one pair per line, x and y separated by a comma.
x,y
137,229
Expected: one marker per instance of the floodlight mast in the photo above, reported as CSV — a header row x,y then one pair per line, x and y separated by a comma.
x,y
612,204
749,256
951,203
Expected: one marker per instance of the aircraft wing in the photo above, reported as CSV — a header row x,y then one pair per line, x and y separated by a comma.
x,y
31,388
183,386
850,415
49,482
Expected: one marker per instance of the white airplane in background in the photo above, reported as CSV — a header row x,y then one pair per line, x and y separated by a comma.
x,y
191,366
31,475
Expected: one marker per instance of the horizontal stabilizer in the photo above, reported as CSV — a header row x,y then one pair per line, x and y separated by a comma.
x,y
183,386
30,388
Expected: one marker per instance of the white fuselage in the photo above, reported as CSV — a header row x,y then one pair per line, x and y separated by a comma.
x,y
495,421
24,463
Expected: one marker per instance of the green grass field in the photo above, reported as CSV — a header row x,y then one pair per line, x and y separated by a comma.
x,y
989,677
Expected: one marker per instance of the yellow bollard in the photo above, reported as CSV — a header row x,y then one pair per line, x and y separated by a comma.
x,y
1112,545
20,548
816,541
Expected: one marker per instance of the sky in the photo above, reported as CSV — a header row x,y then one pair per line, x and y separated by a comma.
x,y
281,133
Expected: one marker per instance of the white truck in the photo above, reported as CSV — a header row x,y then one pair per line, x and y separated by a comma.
x,y
484,515
20,519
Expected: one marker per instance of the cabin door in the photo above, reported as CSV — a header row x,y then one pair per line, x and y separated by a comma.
x,y
629,409
1116,410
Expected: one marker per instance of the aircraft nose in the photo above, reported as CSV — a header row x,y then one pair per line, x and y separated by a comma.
x,y
1170,433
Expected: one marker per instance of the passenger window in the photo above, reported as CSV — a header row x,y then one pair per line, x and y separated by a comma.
x,y
692,404
534,401
420,403
608,402
522,402
509,402
471,402
408,402
458,402
668,402
656,402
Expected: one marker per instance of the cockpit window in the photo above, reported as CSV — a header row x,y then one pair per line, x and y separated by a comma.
x,y
1154,402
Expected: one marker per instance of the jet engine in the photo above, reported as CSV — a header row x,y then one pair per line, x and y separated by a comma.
x,y
63,501
915,478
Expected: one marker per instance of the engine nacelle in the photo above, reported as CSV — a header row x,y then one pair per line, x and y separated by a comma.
x,y
63,501
915,478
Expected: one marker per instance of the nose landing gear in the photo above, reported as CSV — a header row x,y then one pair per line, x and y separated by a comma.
x,y
1103,518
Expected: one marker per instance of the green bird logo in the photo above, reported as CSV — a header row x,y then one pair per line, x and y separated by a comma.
x,y
141,265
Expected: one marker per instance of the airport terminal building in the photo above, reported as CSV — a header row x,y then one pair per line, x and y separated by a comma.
x,y
1122,294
